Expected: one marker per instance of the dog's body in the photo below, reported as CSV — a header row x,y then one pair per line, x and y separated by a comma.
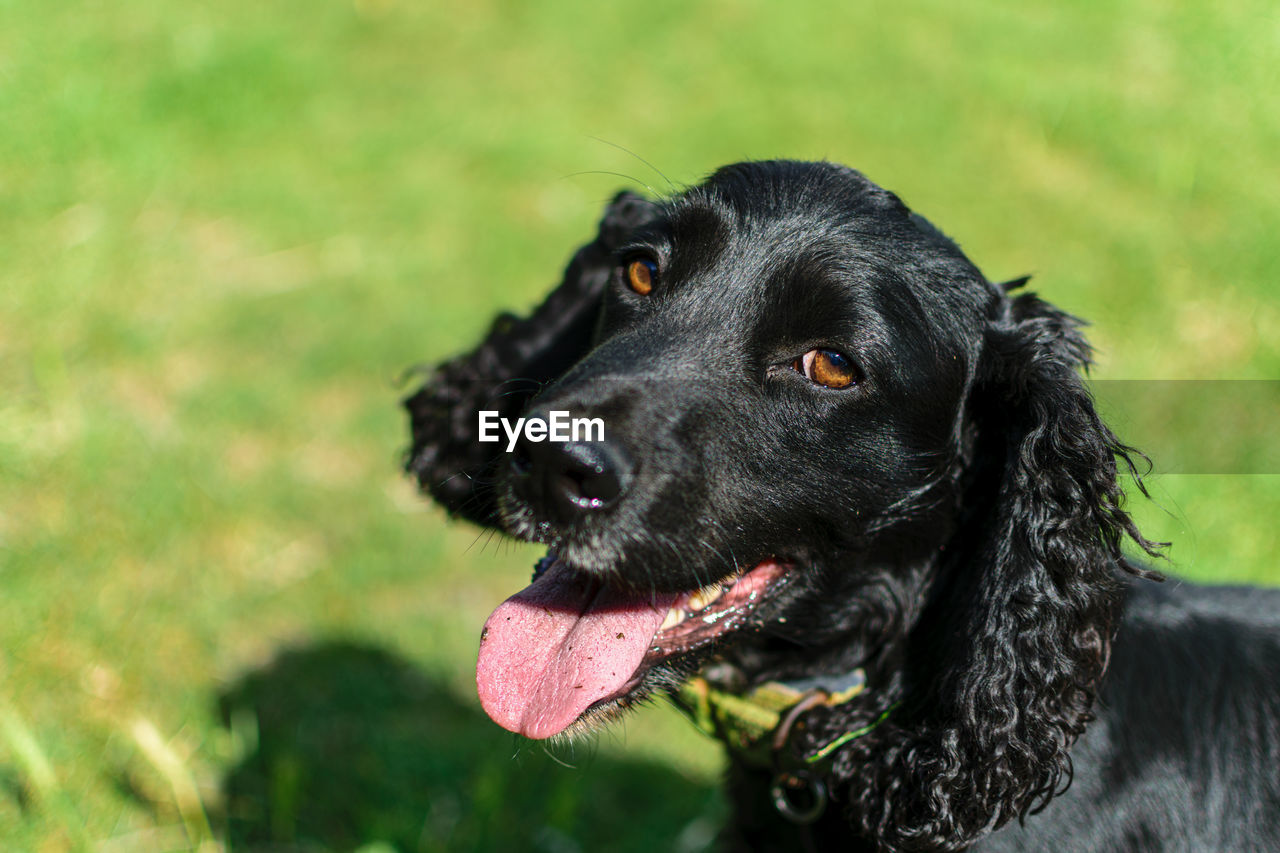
x,y
881,463
1182,755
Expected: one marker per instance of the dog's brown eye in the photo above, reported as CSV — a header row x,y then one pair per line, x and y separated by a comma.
x,y
641,274
828,368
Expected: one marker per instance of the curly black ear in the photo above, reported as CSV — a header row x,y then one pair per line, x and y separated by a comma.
x,y
1029,604
515,360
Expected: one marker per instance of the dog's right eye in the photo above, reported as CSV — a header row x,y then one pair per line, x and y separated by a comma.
x,y
640,275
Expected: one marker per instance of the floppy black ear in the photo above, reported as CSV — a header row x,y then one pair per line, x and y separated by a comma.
x,y
1030,604
514,361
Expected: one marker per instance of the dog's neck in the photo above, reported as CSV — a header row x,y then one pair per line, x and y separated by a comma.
x,y
885,604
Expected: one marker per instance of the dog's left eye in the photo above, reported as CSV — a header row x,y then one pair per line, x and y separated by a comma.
x,y
828,368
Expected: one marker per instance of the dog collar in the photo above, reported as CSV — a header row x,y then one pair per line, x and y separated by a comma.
x,y
756,725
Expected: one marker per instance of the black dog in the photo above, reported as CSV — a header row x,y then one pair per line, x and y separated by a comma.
x,y
888,470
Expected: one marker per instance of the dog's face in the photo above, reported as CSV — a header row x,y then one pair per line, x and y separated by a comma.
x,y
829,442
781,363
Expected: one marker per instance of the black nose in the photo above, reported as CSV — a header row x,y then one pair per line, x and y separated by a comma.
x,y
570,480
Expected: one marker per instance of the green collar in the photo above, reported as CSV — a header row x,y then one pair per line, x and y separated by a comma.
x,y
750,723
756,725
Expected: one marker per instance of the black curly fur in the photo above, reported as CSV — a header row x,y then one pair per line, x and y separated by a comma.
x,y
517,358
956,521
1024,643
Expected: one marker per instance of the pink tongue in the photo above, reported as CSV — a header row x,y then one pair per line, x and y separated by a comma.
x,y
562,643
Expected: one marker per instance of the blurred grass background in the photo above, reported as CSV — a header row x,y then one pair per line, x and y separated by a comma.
x,y
226,229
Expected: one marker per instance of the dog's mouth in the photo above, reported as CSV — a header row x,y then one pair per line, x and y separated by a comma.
x,y
569,645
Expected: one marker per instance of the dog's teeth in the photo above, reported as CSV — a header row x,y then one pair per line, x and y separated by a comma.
x,y
705,596
674,617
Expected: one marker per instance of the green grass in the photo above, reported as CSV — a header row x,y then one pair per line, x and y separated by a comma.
x,y
225,230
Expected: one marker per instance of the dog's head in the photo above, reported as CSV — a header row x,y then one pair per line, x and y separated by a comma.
x,y
828,441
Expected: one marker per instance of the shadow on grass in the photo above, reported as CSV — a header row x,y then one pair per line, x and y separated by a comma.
x,y
355,746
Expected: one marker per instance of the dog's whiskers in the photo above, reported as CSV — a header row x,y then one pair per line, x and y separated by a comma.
x,y
625,150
